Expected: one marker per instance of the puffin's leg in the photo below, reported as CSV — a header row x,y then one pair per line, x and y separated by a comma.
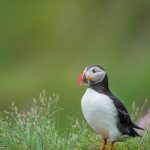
x,y
111,145
104,144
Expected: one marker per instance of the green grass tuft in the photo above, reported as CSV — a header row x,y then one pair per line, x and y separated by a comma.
x,y
36,130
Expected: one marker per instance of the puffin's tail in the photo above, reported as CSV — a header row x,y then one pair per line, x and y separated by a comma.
x,y
133,133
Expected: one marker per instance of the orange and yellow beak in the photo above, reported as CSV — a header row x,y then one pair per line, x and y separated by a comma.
x,y
83,79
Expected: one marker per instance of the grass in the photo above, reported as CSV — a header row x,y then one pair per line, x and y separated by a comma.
x,y
37,130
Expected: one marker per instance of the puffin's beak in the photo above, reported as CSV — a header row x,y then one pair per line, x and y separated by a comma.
x,y
82,79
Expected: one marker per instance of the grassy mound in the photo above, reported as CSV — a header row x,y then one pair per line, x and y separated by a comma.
x,y
36,130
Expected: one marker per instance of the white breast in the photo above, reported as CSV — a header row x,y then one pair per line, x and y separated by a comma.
x,y
100,112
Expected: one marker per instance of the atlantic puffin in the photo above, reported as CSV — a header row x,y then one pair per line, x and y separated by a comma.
x,y
104,112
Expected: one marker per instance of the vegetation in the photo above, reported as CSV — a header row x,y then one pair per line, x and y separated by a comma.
x,y
38,130
47,44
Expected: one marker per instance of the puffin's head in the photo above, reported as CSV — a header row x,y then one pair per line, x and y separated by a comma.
x,y
92,74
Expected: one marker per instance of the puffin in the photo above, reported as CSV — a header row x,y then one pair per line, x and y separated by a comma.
x,y
103,111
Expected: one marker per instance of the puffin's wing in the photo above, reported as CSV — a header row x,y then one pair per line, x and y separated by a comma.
x,y
125,123
123,115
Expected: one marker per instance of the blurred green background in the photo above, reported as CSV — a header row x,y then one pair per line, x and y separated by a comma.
x,y
46,44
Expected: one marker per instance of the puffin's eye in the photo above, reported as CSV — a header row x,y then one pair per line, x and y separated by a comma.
x,y
94,71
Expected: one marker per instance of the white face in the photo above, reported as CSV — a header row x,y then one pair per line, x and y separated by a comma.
x,y
95,74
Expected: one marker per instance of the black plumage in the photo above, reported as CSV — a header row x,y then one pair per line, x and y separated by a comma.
x,y
124,122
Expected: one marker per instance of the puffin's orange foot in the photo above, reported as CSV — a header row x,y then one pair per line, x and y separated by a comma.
x,y
104,144
111,146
